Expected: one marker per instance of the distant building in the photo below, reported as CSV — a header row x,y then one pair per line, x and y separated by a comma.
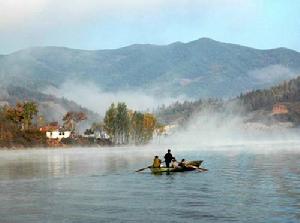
x,y
54,131
279,109
165,130
57,134
96,134
53,126
101,135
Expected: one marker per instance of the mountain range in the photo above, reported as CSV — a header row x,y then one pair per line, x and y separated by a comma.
x,y
201,68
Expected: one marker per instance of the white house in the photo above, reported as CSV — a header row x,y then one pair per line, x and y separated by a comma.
x,y
97,134
58,134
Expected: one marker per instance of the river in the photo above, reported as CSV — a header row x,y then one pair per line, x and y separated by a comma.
x,y
245,183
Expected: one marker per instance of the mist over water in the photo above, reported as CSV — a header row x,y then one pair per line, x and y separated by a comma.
x,y
94,98
101,185
230,126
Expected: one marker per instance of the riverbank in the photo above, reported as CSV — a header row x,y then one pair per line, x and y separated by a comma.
x,y
42,141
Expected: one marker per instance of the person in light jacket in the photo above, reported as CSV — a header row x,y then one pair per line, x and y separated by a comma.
x,y
156,162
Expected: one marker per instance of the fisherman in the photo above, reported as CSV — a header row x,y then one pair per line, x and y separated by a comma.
x,y
156,162
182,163
174,163
168,158
185,164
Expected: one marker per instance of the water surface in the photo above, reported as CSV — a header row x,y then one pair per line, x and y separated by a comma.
x,y
100,185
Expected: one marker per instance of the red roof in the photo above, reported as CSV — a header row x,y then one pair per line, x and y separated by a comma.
x,y
49,128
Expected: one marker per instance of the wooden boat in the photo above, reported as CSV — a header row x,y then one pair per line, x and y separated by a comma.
x,y
193,164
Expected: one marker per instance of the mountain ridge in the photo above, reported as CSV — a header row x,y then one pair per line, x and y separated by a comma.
x,y
200,68
207,39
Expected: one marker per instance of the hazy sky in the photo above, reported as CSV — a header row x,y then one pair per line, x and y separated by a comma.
x,y
98,24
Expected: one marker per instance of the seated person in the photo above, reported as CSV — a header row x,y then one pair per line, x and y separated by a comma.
x,y
174,163
156,162
186,164
182,163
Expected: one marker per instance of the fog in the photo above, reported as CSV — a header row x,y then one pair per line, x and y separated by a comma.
x,y
94,98
231,128
210,129
272,74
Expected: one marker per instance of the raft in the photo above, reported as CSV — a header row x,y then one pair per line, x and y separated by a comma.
x,y
195,163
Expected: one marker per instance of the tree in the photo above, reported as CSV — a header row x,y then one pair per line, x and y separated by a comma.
x,y
22,114
30,110
15,114
137,128
7,128
110,121
122,124
149,126
72,118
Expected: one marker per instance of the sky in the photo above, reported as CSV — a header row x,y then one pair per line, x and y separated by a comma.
x,y
102,24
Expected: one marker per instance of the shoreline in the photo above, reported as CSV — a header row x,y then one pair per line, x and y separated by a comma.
x,y
70,147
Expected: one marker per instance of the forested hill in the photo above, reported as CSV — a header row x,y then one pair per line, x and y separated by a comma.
x,y
201,68
51,107
181,112
286,93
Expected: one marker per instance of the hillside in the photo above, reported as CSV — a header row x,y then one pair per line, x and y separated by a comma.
x,y
50,107
181,112
286,94
259,103
201,68
288,91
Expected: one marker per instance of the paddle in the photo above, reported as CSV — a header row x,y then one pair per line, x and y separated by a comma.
x,y
143,169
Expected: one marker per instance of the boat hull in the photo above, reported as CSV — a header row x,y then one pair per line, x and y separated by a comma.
x,y
195,163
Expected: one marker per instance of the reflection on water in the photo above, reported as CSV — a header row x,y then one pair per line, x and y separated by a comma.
x,y
100,185
58,165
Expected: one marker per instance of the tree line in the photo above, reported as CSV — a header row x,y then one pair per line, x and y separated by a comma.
x,y
262,99
125,126
16,126
288,91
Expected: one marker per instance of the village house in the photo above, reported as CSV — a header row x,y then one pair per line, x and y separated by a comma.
x,y
52,126
96,134
54,131
58,134
279,109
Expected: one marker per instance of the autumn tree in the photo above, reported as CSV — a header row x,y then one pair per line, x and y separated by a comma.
x,y
110,121
22,114
15,114
137,128
117,123
30,110
124,125
7,128
72,118
149,126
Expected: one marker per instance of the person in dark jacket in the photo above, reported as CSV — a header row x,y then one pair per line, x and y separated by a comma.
x,y
168,158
